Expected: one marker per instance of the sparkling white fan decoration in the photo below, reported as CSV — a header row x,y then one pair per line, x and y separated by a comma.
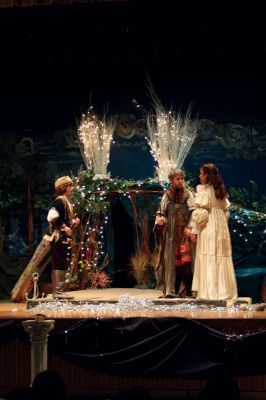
x,y
95,138
170,136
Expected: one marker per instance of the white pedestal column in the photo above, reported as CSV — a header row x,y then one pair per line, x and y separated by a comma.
x,y
39,332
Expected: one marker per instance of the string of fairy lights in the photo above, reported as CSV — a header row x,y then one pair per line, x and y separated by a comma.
x,y
170,136
243,225
92,200
95,138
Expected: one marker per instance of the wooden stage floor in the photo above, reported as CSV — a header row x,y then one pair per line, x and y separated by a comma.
x,y
132,302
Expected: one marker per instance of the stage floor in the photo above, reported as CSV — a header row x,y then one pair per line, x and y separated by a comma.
x,y
131,303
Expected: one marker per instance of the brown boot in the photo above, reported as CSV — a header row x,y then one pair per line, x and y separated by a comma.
x,y
59,284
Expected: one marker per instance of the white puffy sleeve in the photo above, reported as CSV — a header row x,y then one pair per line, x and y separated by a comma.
x,y
52,215
201,214
202,197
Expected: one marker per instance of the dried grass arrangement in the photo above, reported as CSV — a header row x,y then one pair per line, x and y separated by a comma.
x,y
143,268
139,267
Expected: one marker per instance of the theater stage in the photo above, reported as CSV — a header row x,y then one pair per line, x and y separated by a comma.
x,y
111,339
134,303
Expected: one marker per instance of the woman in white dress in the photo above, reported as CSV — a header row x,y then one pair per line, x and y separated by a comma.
x,y
214,275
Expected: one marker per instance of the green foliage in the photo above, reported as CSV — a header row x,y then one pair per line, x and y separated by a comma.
x,y
249,199
92,198
9,200
9,193
14,182
95,188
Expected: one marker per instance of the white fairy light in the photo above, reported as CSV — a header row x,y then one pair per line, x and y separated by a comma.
x,y
170,136
95,139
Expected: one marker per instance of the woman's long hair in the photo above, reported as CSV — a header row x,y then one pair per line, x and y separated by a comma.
x,y
214,178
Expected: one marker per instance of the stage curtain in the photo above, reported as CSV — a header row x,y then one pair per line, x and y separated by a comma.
x,y
10,330
153,347
163,347
126,230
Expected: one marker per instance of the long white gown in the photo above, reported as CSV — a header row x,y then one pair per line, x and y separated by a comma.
x,y
214,275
